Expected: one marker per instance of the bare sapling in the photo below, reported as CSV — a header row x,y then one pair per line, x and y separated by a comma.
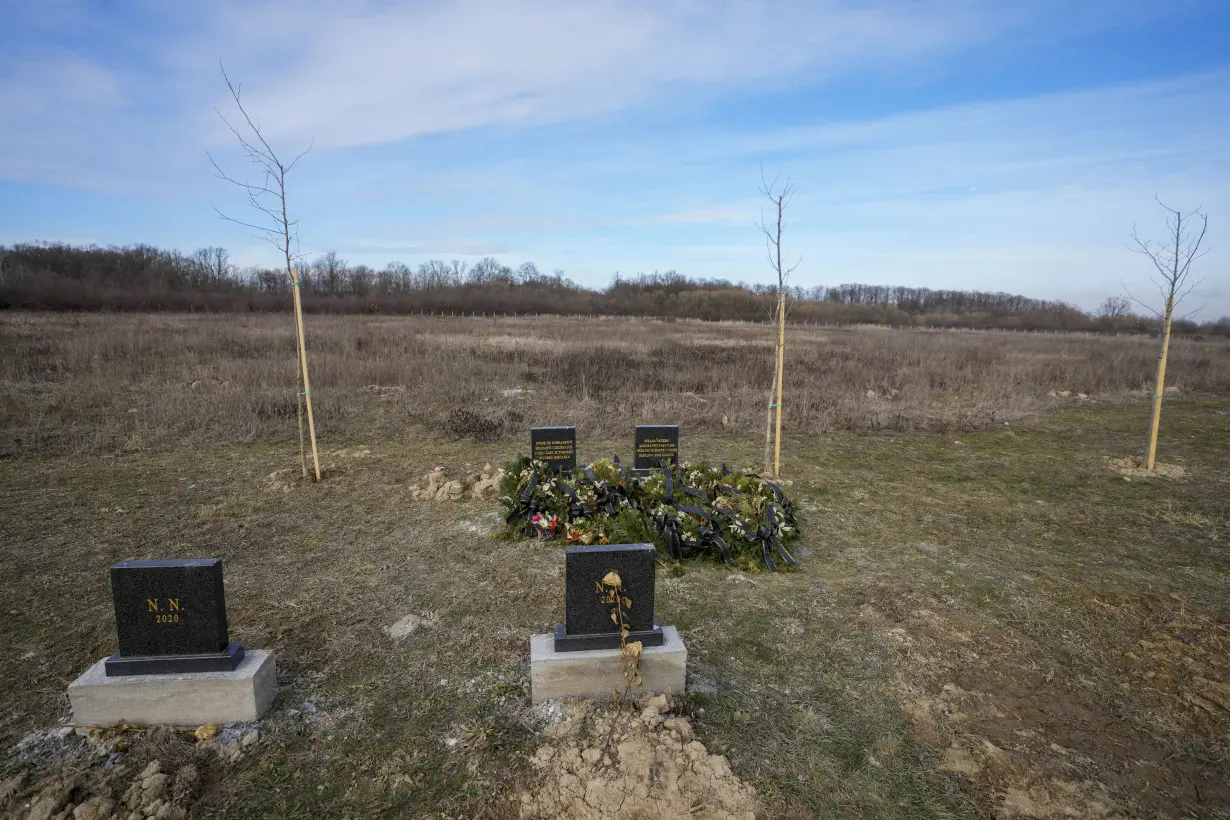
x,y
1172,259
779,196
267,197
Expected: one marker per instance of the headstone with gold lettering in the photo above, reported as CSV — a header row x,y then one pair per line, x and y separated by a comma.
x,y
655,445
176,664
170,617
556,446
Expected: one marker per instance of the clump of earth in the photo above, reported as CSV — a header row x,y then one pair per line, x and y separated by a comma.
x,y
437,486
62,773
290,478
90,795
1135,468
642,763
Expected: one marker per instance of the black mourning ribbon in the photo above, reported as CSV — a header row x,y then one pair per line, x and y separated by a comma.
x,y
577,509
668,525
709,535
695,493
784,502
770,534
527,505
766,535
606,497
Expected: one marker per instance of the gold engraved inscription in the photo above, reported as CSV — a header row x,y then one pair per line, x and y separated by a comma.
x,y
553,450
168,616
657,448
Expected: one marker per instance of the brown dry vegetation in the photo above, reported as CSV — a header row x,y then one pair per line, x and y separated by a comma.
x,y
107,383
991,622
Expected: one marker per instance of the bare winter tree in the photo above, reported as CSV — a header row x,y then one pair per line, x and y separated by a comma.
x,y
1172,259
779,194
1115,307
267,197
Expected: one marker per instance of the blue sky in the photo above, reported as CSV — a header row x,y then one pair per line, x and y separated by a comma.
x,y
978,144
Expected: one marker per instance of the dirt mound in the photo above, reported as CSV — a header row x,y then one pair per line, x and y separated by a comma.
x,y
643,764
292,477
1135,468
436,486
1179,666
94,795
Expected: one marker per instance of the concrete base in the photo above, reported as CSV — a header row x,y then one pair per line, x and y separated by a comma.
x,y
594,673
189,699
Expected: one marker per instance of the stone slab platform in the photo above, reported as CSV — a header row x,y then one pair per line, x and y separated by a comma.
x,y
189,699
594,673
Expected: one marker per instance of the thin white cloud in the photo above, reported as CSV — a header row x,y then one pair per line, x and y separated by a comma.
x,y
367,72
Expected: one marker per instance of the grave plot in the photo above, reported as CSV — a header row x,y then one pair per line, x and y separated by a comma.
x,y
683,509
176,664
609,644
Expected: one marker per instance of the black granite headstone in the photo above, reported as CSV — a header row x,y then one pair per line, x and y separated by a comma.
x,y
557,446
654,444
587,617
171,618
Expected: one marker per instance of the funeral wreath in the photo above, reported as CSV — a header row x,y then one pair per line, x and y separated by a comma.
x,y
683,509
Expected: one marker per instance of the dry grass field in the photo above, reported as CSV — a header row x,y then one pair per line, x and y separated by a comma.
x,y
113,383
990,620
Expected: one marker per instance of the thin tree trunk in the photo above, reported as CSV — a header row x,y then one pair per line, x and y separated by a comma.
x,y
768,427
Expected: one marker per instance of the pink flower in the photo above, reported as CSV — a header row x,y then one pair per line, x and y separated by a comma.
x,y
545,524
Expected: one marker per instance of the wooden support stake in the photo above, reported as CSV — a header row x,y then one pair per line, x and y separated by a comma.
x,y
307,385
1159,388
299,397
781,357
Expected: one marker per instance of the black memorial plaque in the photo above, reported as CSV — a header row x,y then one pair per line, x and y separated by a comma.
x,y
654,445
587,618
170,617
557,446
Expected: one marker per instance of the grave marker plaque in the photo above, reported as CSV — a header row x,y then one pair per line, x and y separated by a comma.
x,y
587,618
170,617
654,444
557,446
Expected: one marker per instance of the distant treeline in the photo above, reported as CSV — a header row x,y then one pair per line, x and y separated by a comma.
x,y
144,278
